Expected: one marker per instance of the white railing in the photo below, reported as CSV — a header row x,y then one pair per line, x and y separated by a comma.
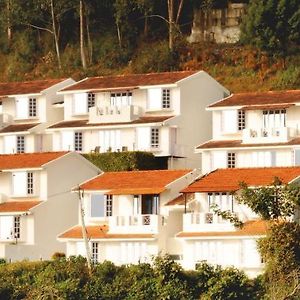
x,y
111,114
134,223
259,135
205,222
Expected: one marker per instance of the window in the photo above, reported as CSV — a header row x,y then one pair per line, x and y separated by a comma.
x,y
224,201
110,140
230,160
29,183
17,227
95,249
20,144
154,137
166,98
32,107
91,100
241,120
120,98
78,141
274,118
109,205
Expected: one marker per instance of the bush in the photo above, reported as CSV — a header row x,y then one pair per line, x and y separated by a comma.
x,y
126,161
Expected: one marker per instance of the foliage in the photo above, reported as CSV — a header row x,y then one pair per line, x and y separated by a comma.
x,y
280,250
272,25
126,161
163,279
277,201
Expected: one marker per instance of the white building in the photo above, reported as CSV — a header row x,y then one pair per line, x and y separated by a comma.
x,y
210,238
36,202
26,109
254,130
127,217
146,112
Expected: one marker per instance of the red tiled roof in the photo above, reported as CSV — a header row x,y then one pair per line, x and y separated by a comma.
x,y
27,160
129,81
260,98
238,143
84,123
265,107
18,127
100,232
132,182
250,228
227,180
27,87
17,206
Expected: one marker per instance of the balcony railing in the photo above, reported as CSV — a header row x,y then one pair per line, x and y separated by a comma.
x,y
205,222
136,224
112,114
261,135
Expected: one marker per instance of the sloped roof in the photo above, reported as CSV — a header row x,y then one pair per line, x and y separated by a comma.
x,y
27,160
259,98
18,127
134,182
129,81
17,206
84,123
100,232
238,143
250,228
26,87
228,180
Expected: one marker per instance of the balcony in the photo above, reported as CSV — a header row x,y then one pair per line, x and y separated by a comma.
x,y
135,224
114,114
198,222
269,135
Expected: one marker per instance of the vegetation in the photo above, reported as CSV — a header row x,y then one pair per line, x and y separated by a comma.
x,y
48,38
164,279
127,161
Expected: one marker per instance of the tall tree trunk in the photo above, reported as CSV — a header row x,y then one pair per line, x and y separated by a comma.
x,y
9,27
119,34
89,40
82,50
171,23
146,26
55,35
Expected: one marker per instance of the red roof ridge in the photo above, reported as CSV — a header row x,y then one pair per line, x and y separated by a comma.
x,y
33,153
139,74
251,168
145,171
263,92
30,81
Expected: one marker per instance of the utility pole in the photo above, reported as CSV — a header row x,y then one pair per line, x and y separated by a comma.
x,y
84,235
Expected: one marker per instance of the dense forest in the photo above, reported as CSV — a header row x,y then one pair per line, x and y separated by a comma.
x,y
50,38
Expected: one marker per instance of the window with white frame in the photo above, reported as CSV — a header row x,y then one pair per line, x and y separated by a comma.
x,y
158,98
166,99
110,140
95,252
133,252
32,107
78,141
263,159
223,201
101,206
231,160
109,205
241,120
17,227
20,143
274,118
29,183
154,138
91,100
121,98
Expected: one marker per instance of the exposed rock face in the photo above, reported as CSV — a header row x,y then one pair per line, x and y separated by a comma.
x,y
218,25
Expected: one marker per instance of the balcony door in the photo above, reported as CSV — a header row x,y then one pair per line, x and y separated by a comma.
x,y
150,204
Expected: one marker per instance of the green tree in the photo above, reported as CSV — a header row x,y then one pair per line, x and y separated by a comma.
x,y
272,25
